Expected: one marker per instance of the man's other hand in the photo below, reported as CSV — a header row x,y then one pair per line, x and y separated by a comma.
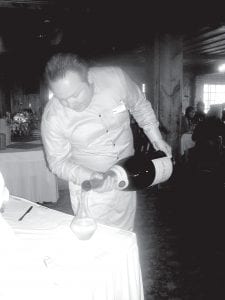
x,y
162,146
102,183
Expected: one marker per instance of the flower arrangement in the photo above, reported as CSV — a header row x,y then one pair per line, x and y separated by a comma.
x,y
21,124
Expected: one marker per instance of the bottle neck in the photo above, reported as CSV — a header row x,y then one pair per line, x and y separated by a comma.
x,y
83,205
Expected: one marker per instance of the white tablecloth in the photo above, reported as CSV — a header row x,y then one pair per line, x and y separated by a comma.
x,y
186,142
106,267
26,174
5,128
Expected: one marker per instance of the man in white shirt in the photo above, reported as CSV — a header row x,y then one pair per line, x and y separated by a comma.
x,y
86,130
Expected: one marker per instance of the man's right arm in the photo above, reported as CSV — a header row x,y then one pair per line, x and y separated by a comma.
x,y
58,152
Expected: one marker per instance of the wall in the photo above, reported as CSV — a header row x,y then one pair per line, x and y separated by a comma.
x,y
188,90
216,78
133,63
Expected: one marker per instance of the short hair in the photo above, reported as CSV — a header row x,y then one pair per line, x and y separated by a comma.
x,y
200,103
59,64
188,110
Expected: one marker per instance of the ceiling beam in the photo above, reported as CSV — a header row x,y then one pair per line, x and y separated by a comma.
x,y
215,39
29,4
211,33
207,48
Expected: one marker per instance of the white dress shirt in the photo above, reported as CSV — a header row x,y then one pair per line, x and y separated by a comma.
x,y
78,143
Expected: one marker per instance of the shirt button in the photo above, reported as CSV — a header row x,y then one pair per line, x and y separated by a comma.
x,y
107,130
114,144
100,116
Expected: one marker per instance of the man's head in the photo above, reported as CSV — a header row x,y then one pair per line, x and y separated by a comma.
x,y
190,112
66,75
200,106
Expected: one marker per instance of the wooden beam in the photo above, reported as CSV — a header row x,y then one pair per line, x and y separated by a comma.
x,y
211,33
218,39
208,48
166,65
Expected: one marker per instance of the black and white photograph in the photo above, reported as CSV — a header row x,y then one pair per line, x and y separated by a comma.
x,y
112,150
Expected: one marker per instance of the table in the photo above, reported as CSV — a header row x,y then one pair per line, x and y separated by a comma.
x,y
106,267
26,174
5,128
186,142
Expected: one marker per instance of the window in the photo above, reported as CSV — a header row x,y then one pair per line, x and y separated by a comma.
x,y
213,94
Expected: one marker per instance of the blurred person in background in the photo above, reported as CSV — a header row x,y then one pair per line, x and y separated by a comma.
x,y
200,114
210,133
187,120
208,153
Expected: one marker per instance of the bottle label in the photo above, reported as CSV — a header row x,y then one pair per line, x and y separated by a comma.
x,y
163,169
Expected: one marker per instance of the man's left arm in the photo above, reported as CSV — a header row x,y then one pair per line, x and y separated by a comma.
x,y
142,111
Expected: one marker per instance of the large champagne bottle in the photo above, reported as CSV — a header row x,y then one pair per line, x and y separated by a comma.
x,y
140,171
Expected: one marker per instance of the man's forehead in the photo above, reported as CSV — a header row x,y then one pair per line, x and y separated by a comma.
x,y
65,94
66,86
69,77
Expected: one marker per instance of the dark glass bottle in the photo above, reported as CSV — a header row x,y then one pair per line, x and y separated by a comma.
x,y
139,171
142,171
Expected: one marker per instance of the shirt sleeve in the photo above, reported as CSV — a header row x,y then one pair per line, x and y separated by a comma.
x,y
58,154
140,108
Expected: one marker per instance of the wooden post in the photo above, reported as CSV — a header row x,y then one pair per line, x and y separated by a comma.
x,y
167,85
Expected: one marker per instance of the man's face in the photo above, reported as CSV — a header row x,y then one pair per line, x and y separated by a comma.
x,y
72,91
191,114
201,107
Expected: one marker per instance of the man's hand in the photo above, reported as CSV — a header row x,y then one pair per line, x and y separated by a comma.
x,y
161,145
102,183
155,137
